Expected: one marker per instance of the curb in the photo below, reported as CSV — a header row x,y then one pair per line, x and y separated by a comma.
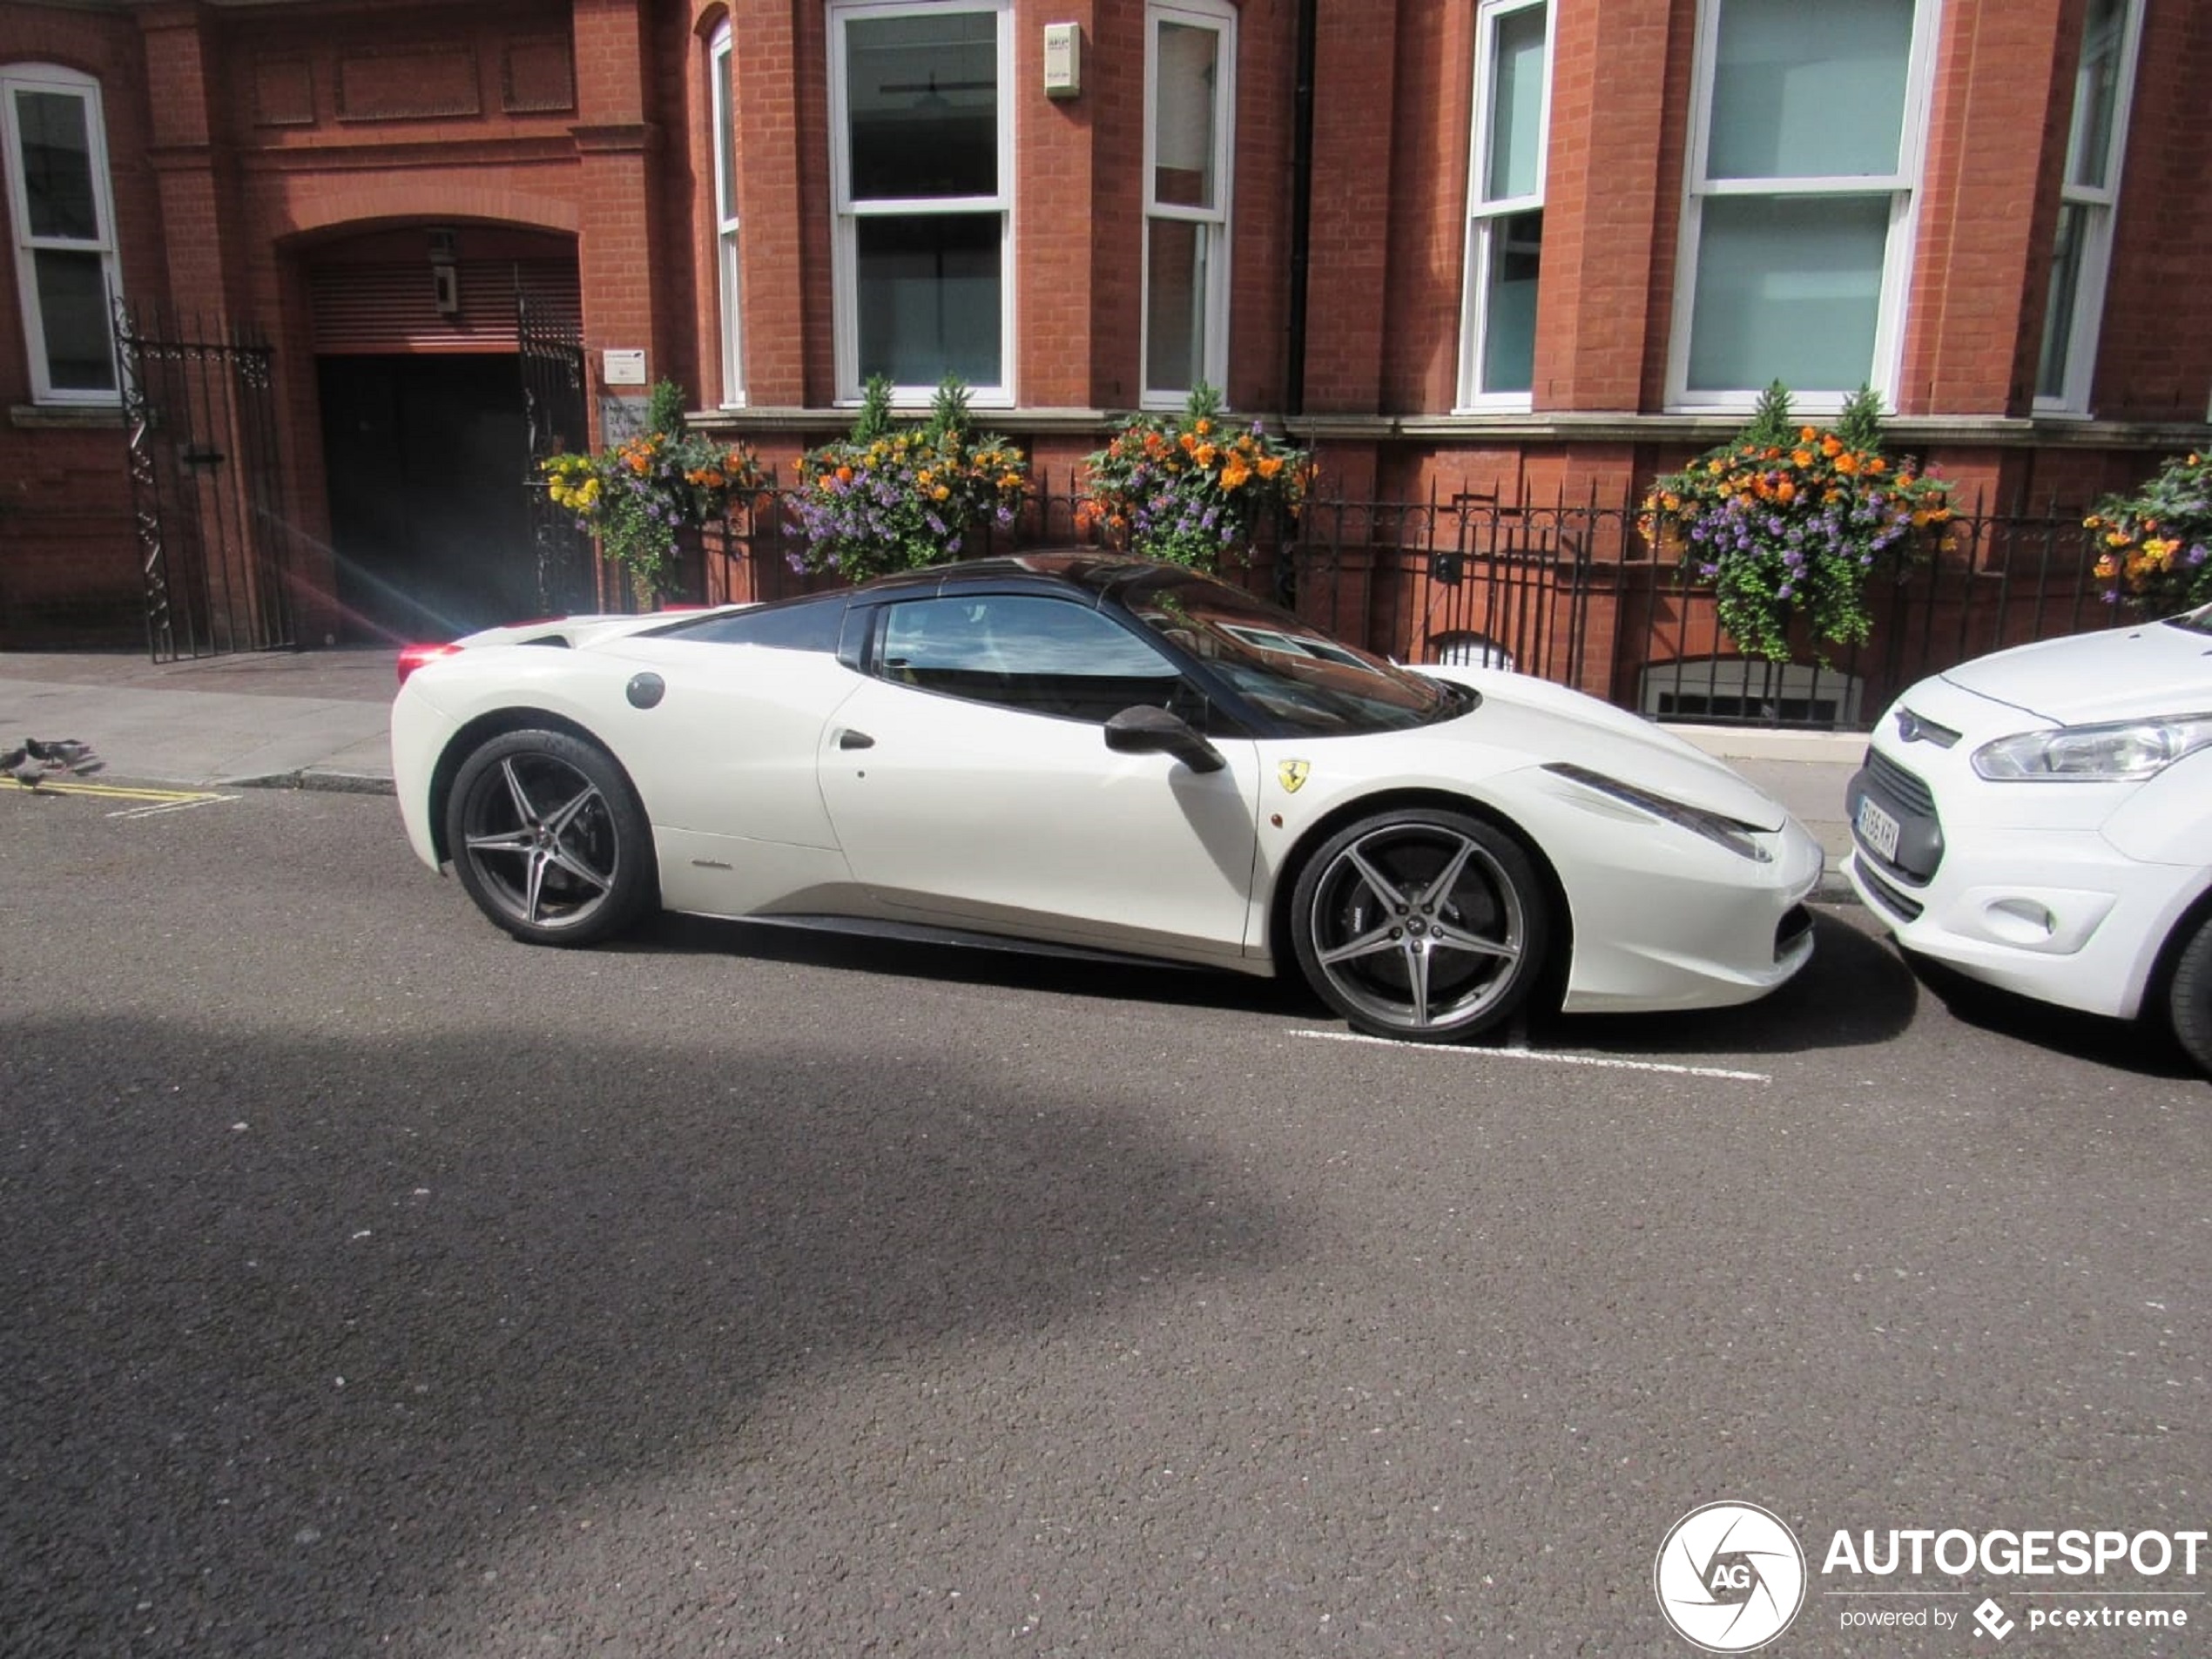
x,y
317,780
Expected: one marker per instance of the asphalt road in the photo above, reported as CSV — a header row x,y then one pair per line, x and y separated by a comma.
x,y
375,1285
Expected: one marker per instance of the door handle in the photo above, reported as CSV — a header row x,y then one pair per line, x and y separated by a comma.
x,y
849,739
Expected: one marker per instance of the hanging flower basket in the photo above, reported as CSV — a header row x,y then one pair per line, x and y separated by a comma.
x,y
898,499
639,497
1788,523
2154,547
1190,489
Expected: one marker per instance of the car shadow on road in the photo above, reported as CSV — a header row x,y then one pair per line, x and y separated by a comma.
x,y
2144,1046
1854,992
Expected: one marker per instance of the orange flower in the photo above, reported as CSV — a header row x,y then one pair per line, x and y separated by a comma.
x,y
1785,491
1847,463
1831,446
844,474
1801,457
1270,465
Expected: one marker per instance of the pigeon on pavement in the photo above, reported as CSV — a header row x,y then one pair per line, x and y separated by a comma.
x,y
36,761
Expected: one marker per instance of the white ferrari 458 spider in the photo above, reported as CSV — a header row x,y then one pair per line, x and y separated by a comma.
x,y
1107,756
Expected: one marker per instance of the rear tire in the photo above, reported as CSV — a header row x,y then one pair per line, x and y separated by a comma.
x,y
2188,998
549,839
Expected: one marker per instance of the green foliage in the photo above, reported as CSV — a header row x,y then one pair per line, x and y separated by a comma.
x,y
1771,422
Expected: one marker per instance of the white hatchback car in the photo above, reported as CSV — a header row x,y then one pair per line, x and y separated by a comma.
x,y
2041,819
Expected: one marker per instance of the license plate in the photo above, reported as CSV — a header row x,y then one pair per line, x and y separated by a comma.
x,y
1876,828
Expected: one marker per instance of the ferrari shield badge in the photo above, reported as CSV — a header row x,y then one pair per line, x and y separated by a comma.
x,y
1292,773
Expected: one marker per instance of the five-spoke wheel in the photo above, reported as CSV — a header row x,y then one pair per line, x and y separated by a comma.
x,y
1421,923
548,837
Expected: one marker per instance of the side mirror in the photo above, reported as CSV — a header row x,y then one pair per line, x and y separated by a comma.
x,y
1144,731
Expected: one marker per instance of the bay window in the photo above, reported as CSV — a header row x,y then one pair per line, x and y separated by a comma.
x,y
922,154
1803,177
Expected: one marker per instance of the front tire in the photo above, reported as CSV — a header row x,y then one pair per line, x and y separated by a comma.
x,y
2188,998
549,839
1421,924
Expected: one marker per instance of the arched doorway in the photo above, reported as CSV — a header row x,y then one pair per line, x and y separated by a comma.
x,y
426,439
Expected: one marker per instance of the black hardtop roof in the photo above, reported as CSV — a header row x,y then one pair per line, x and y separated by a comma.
x,y
1052,568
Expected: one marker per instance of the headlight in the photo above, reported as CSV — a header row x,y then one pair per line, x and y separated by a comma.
x,y
2124,751
1731,833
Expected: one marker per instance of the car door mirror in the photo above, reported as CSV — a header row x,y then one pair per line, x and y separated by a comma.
x,y
1145,730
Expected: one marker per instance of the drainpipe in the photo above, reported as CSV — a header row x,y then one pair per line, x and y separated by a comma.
x,y
1301,203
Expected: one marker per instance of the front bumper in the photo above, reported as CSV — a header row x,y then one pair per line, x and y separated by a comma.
x,y
2056,913
1710,934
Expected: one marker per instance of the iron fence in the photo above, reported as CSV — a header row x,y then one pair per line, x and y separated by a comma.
x,y
207,487
1572,593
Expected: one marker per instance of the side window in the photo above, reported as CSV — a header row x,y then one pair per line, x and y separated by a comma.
x,y
1190,76
721,59
56,150
1033,655
803,624
1505,205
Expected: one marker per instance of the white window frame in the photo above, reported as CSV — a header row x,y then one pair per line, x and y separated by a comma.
x,y
1213,222
729,274
2101,205
1486,217
52,78
1905,188
847,212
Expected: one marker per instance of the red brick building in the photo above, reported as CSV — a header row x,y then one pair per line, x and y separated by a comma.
x,y
1535,248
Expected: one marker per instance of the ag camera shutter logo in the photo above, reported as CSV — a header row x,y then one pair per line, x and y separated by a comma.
x,y
1729,1577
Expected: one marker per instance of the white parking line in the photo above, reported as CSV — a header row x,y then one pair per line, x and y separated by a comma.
x,y
1601,1062
181,803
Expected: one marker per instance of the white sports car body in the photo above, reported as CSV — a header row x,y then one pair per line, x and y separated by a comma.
x,y
1082,753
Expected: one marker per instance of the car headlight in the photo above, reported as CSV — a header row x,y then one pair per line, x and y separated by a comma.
x,y
1731,833
2123,751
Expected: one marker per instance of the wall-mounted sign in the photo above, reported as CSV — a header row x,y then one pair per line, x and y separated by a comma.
x,y
623,367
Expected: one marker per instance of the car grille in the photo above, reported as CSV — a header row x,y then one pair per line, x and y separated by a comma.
x,y
1889,897
1900,782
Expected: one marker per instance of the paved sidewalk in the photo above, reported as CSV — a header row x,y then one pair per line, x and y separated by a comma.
x,y
304,720
317,720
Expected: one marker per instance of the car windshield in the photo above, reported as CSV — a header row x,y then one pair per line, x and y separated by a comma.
x,y
2198,621
1287,667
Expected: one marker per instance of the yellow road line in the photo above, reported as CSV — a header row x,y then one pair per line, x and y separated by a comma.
x,y
119,792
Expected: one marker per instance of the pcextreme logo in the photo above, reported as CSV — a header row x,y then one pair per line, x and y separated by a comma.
x,y
1729,1577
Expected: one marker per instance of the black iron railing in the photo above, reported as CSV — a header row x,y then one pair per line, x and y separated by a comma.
x,y
1572,593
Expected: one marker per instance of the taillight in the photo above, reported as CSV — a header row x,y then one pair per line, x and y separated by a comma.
x,y
414,656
